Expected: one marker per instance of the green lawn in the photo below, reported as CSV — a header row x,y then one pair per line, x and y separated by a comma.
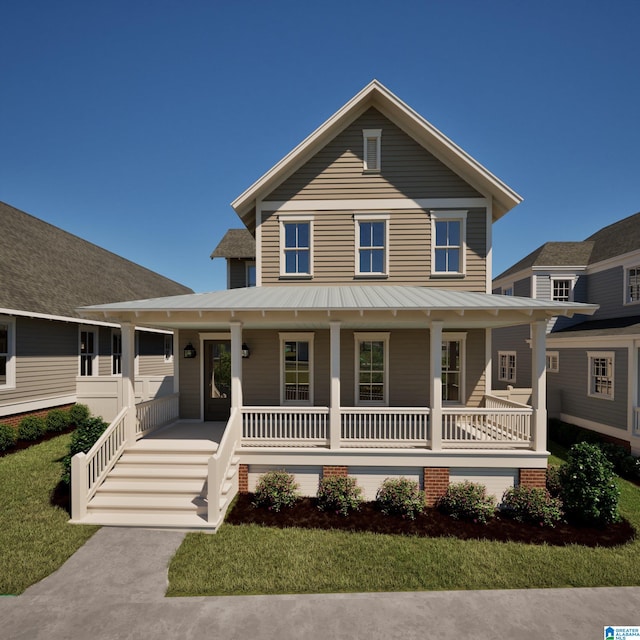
x,y
259,560
35,537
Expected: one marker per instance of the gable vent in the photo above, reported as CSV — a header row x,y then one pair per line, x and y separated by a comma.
x,y
372,149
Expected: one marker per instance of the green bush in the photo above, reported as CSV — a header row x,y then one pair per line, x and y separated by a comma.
x,y
400,496
467,501
82,439
31,428
553,481
533,505
78,414
276,489
630,468
589,492
8,437
569,434
57,420
339,494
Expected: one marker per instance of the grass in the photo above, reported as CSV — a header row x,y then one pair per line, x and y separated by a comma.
x,y
249,559
35,537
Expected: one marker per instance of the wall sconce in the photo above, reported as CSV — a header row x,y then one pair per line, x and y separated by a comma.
x,y
245,350
189,351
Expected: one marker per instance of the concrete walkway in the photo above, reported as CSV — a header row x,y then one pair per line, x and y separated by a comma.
x,y
114,586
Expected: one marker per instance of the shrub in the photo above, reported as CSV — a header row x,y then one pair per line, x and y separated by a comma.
x,y
82,439
78,414
400,496
31,428
467,501
615,454
276,489
57,420
530,504
589,493
8,437
569,434
553,481
340,494
630,468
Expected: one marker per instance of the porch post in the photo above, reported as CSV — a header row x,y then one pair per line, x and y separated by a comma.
x,y
335,426
128,333
539,384
236,365
435,387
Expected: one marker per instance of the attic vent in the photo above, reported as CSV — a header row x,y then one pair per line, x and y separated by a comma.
x,y
372,149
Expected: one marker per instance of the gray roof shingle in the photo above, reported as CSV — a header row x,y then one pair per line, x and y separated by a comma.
x,y
237,243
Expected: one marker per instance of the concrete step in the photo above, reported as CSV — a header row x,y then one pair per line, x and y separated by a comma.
x,y
131,486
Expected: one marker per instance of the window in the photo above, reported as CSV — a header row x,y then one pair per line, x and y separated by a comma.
x,y
553,361
7,352
453,349
507,366
295,240
508,291
116,352
168,348
448,242
88,354
372,143
601,374
296,368
251,274
371,368
561,291
371,245
632,289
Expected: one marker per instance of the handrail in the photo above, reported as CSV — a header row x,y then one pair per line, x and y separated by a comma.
x,y
156,413
496,402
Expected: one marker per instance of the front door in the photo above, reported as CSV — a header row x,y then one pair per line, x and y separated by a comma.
x,y
217,380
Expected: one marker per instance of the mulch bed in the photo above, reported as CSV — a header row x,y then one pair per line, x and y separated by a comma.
x,y
25,444
433,524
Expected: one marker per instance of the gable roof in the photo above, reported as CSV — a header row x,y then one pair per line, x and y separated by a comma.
x,y
377,95
237,243
44,269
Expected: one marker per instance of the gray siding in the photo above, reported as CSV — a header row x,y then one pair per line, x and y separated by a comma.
x,y
512,339
237,273
522,288
407,169
606,288
543,286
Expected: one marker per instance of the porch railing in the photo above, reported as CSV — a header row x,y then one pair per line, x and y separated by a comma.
x,y
384,426
494,402
153,414
286,426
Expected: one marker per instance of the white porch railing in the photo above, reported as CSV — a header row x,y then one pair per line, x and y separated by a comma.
x,y
636,424
494,402
89,470
384,426
285,426
153,414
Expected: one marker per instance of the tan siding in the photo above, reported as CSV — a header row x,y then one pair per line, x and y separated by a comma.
x,y
154,366
104,351
475,357
409,368
261,372
190,397
407,169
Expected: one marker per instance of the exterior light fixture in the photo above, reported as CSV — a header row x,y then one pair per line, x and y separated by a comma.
x,y
245,350
189,351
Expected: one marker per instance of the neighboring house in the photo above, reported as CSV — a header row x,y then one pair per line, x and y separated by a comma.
x,y
49,355
238,247
364,347
593,364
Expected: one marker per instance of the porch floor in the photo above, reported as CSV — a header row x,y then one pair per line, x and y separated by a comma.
x,y
206,431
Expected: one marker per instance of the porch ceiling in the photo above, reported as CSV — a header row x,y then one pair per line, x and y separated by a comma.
x,y
313,306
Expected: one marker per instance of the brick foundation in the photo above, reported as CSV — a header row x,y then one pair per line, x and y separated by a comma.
x,y
436,481
243,478
334,472
14,420
533,478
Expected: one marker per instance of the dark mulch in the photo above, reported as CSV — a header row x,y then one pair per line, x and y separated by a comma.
x,y
25,444
431,524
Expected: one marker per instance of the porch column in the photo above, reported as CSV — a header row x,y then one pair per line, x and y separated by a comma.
x,y
435,387
335,425
236,365
539,384
128,333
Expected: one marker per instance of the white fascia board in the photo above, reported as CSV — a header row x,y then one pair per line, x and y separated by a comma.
x,y
590,342
47,316
559,268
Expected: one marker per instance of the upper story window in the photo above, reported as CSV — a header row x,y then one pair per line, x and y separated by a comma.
x,y
296,246
7,352
88,351
632,285
371,245
561,290
601,374
251,274
507,366
448,242
372,143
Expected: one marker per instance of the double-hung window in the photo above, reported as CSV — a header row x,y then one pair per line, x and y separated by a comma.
x,y
116,352
7,352
296,366
372,368
632,285
371,244
507,366
448,242
296,238
88,351
553,361
601,374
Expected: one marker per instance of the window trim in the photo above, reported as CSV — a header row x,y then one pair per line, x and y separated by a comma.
x,y
247,266
449,216
168,352
294,219
549,357
568,279
304,336
94,355
511,379
371,336
10,354
371,217
600,355
625,288
461,337
368,134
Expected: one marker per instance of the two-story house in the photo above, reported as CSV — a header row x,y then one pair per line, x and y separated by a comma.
x,y
592,363
364,347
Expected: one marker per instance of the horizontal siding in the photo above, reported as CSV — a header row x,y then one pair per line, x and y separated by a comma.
x,y
237,271
543,286
475,366
606,288
522,288
407,169
190,396
154,366
497,481
307,477
512,339
370,479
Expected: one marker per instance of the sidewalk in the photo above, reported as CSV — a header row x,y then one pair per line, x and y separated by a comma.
x,y
114,586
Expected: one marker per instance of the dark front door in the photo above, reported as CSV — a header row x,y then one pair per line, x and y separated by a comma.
x,y
217,380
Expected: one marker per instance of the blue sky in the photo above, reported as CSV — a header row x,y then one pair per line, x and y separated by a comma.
x,y
134,124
